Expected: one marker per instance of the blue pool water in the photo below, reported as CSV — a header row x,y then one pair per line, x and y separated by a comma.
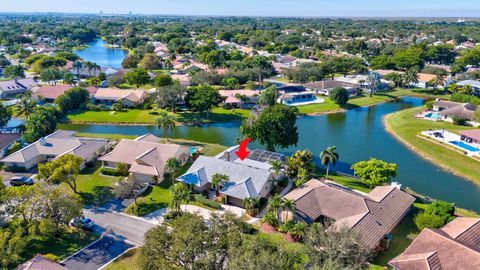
x,y
464,146
433,115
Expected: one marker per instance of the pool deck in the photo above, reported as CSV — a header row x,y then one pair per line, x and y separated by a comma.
x,y
447,137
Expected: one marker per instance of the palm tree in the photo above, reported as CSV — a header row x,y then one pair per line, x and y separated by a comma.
x,y
165,122
411,76
276,168
68,78
275,205
78,66
289,207
329,156
218,181
179,194
171,166
89,65
26,104
250,204
373,80
298,230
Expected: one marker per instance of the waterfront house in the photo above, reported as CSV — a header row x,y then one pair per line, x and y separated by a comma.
x,y
240,98
373,216
324,87
456,246
145,156
51,92
12,88
473,83
128,97
470,136
59,143
424,79
248,178
450,110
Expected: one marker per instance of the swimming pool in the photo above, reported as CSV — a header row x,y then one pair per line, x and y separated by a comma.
x,y
433,116
464,146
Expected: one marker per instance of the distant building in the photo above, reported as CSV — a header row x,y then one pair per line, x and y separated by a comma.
x,y
473,83
10,89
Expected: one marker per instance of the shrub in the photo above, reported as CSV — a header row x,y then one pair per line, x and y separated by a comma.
x,y
111,172
459,121
426,220
202,200
339,95
122,169
283,182
14,148
97,108
435,215
51,257
458,97
15,169
429,104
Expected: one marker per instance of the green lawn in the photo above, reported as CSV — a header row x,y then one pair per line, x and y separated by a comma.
x,y
406,128
93,187
128,261
137,116
67,244
155,198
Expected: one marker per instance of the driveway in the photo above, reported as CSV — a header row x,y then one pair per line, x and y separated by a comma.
x,y
97,254
129,228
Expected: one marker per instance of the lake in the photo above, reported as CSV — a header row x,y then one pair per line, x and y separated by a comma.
x,y
103,56
358,134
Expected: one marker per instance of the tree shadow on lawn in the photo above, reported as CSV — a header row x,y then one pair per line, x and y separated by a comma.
x,y
98,196
198,118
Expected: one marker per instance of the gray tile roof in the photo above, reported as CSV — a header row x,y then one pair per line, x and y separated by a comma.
x,y
245,181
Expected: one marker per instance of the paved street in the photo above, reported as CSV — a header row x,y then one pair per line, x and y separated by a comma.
x,y
97,254
123,226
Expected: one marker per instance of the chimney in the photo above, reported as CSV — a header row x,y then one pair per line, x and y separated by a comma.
x,y
226,156
15,80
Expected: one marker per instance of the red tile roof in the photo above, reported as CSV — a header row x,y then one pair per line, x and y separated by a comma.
x,y
54,91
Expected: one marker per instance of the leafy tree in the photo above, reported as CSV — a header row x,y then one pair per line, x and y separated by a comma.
x,y
63,169
275,126
268,96
115,80
476,115
408,58
12,245
170,96
50,75
339,95
127,188
162,80
14,72
428,220
150,61
70,56
122,169
69,78
301,159
137,77
165,122
72,99
131,61
203,98
341,247
231,83
375,172
329,156
382,62
40,123
5,115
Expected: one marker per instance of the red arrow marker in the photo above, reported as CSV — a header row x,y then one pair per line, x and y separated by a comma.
x,y
242,152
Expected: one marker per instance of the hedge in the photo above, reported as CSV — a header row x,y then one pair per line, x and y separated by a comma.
x,y
202,200
111,172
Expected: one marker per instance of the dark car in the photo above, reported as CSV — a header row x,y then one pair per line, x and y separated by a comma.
x,y
82,223
21,180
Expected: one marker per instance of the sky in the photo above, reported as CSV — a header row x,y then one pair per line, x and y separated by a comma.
x,y
293,8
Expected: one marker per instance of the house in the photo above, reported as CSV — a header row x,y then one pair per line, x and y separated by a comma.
x,y
183,79
241,98
128,97
372,215
59,143
359,81
248,178
145,156
450,110
324,87
11,88
456,246
424,79
40,263
287,60
51,92
85,72
470,136
473,83
6,140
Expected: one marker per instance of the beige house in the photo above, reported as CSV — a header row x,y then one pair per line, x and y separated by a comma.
x,y
128,97
145,156
59,143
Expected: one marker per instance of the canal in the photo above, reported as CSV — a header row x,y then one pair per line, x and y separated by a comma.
x,y
358,134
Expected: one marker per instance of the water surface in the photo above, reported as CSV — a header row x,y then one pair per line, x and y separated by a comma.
x,y
358,134
103,56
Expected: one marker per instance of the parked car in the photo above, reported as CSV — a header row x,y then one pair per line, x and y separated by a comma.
x,y
82,223
21,180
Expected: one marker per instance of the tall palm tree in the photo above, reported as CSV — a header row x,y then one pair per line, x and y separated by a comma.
x,y
276,168
179,194
77,65
411,76
275,205
171,166
250,204
68,78
219,180
89,66
329,156
26,104
165,122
